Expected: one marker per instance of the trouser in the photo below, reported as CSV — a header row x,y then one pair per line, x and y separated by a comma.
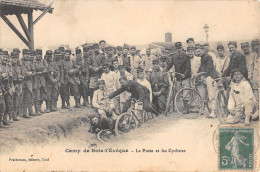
x,y
184,84
147,106
52,94
246,109
160,103
16,103
8,103
212,90
62,92
73,89
27,98
84,91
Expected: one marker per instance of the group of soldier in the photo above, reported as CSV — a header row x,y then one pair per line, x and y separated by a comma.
x,y
106,77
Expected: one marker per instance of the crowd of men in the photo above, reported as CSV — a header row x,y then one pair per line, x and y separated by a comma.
x,y
106,77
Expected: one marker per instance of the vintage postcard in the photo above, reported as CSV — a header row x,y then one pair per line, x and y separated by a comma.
x,y
129,85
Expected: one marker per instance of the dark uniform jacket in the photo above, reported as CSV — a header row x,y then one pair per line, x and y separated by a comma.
x,y
70,70
159,81
137,91
7,82
96,61
39,69
60,64
27,67
182,65
237,60
17,72
206,65
53,75
126,62
83,73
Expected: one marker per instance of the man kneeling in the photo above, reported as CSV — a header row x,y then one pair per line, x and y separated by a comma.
x,y
242,102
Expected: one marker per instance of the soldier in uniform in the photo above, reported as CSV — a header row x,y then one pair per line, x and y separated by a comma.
x,y
249,59
71,81
58,60
159,83
119,56
18,85
126,58
96,62
34,81
7,80
109,57
135,61
83,75
190,42
40,91
27,93
2,102
52,82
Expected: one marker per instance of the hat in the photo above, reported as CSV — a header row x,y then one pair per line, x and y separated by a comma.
x,y
178,45
114,60
133,47
26,51
32,52
62,49
5,52
16,50
78,51
109,48
236,70
102,41
255,42
49,52
232,43
57,51
245,44
85,49
220,47
189,39
198,46
190,48
163,58
105,65
68,51
126,47
139,70
155,59
38,51
119,48
101,81
95,45
206,44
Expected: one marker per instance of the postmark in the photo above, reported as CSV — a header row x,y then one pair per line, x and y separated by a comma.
x,y
236,148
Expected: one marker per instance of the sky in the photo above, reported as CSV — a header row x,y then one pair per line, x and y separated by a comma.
x,y
76,22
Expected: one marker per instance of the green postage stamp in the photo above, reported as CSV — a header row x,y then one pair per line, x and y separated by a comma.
x,y
236,148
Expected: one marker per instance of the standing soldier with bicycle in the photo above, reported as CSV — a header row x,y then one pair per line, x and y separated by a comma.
x,y
159,83
249,56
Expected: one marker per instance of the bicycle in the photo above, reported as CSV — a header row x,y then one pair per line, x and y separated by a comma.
x,y
129,121
195,102
172,90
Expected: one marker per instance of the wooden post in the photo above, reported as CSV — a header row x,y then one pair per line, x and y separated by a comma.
x,y
30,27
24,27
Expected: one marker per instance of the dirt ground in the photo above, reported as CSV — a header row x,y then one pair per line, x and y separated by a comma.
x,y
53,135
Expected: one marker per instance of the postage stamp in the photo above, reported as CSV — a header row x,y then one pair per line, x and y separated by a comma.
x,y
236,148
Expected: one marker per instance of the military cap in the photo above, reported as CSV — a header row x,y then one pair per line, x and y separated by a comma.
x,y
197,46
220,47
189,39
139,70
26,51
95,45
5,52
49,52
57,51
85,49
233,43
13,54
163,58
178,45
16,50
245,44
68,51
102,41
101,81
1,50
38,51
126,47
114,60
133,47
32,52
78,51
255,42
62,49
155,59
109,48
190,48
105,65
236,70
206,44
119,48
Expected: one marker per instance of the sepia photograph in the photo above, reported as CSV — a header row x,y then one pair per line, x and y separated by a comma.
x,y
127,85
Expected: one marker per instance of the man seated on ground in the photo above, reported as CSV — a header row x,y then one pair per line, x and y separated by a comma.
x,y
139,92
98,123
242,102
105,107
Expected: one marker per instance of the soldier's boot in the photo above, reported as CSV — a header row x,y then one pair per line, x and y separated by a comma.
x,y
63,106
52,106
37,108
25,115
48,106
5,122
55,104
20,112
68,104
40,107
85,102
186,107
11,119
1,120
15,115
77,101
31,113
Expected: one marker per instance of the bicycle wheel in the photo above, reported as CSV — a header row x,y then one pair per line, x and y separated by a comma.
x,y
221,106
195,103
125,123
103,137
147,116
